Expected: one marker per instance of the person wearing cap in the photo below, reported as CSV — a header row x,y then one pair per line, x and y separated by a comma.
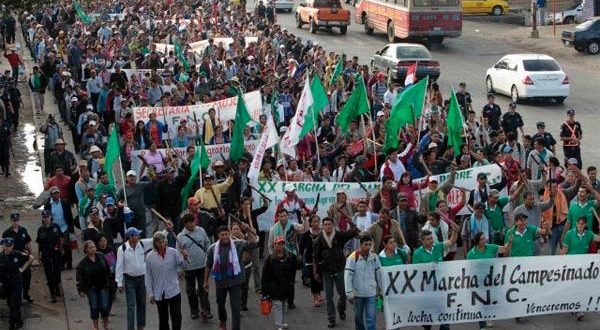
x,y
22,243
511,167
211,195
279,271
130,274
135,199
571,135
86,203
481,192
435,192
512,121
293,204
378,90
52,132
49,240
38,82
549,140
96,227
477,222
225,262
61,156
464,99
12,265
62,216
169,197
492,111
62,181
524,236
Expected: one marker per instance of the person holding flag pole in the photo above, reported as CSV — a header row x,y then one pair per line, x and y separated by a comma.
x,y
113,153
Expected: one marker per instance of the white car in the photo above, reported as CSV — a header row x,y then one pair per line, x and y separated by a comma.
x,y
528,76
568,16
284,5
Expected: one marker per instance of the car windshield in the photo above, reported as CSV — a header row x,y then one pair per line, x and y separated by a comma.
x,y
435,3
574,6
326,4
412,52
540,65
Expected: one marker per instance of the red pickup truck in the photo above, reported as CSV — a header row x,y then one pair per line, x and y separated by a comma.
x,y
322,13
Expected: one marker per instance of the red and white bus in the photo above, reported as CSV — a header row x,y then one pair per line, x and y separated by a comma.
x,y
433,20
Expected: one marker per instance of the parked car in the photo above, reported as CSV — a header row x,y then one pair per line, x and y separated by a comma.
x,y
568,16
395,59
584,37
492,7
322,13
528,76
284,5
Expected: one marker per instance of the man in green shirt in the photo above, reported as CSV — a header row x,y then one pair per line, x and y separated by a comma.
x,y
104,186
493,212
577,240
430,251
482,250
582,206
523,236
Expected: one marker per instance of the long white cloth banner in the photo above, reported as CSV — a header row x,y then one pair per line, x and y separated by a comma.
x,y
488,289
214,153
308,192
465,179
225,110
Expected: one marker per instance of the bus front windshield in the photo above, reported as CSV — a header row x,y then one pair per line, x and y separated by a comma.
x,y
435,3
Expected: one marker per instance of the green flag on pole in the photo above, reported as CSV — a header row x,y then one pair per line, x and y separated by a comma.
x,y
242,118
406,109
320,101
194,168
337,71
180,55
204,160
82,15
357,104
112,154
454,123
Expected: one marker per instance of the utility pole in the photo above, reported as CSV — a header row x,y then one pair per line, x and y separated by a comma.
x,y
534,32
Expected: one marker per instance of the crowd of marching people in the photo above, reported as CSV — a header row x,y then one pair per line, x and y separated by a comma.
x,y
159,223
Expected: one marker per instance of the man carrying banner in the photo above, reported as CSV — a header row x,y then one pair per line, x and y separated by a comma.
x,y
434,252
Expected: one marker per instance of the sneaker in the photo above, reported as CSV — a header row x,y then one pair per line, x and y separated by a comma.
x,y
331,324
282,326
195,315
579,316
342,316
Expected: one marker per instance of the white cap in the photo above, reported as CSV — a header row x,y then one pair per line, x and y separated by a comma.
x,y
95,149
131,173
92,123
74,99
380,113
90,107
289,187
432,145
283,129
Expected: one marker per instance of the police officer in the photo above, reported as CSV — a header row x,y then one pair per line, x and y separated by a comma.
x,y
49,239
549,140
22,244
571,135
5,146
12,265
512,121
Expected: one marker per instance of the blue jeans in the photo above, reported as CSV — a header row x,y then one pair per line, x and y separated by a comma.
x,y
135,295
98,300
365,317
557,231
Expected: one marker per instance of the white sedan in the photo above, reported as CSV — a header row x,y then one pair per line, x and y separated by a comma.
x,y
528,76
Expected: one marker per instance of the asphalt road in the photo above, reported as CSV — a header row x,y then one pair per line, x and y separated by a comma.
x,y
468,57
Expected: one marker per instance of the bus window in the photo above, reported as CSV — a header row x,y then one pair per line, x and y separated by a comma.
x,y
435,3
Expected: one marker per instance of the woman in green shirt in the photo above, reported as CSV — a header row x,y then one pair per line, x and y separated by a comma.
x,y
392,255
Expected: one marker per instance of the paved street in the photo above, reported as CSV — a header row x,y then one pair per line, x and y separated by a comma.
x,y
462,59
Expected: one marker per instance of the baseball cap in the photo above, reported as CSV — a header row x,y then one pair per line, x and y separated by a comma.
x,y
45,214
380,113
192,201
571,112
340,191
132,231
432,145
89,107
219,163
494,192
572,161
91,186
54,189
131,173
14,216
289,187
521,216
402,196
94,210
512,105
540,124
481,176
8,241
59,141
94,148
507,149
110,201
279,239
74,99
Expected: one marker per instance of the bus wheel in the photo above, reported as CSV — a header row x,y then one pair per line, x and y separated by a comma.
x,y
368,30
437,41
497,11
312,26
390,33
343,30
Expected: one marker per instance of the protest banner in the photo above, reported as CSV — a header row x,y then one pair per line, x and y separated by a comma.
x,y
488,289
199,46
465,179
225,110
214,153
308,191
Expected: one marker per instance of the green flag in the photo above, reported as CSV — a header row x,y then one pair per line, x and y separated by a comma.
x,y
319,101
242,118
180,55
112,154
82,15
337,71
454,123
357,104
204,160
406,109
194,167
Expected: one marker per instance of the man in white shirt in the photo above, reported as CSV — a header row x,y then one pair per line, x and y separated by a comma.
x,y
129,275
393,167
390,94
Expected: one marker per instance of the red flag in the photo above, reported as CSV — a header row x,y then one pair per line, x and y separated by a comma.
x,y
411,75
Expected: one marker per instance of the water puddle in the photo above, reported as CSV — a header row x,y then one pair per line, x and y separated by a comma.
x,y
32,175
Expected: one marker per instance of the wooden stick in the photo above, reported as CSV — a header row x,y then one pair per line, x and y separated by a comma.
x,y
260,193
163,219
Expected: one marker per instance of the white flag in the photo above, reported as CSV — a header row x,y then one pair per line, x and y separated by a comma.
x,y
291,138
268,139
